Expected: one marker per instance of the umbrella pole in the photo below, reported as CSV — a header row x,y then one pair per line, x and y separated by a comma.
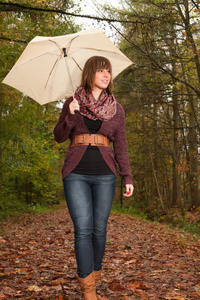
x,y
70,79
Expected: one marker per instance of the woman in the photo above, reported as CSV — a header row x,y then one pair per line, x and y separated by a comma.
x,y
92,120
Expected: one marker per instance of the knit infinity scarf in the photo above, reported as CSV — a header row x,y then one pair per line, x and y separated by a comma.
x,y
103,109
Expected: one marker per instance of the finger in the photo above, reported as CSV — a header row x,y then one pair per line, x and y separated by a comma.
x,y
129,190
127,194
75,101
74,106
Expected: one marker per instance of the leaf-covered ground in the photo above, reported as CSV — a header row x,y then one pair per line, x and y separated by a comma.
x,y
142,261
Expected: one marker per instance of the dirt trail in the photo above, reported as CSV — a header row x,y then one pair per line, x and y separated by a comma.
x,y
142,260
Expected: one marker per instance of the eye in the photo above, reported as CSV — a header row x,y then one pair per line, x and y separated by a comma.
x,y
102,70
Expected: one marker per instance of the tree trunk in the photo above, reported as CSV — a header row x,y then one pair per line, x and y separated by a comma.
x,y
1,130
193,172
176,181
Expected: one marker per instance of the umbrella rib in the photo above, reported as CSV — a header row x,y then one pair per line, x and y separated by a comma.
x,y
54,63
51,71
65,61
99,50
66,47
76,63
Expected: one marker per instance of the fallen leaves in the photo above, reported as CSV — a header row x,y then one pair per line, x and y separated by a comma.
x,y
2,296
137,285
132,261
34,288
142,261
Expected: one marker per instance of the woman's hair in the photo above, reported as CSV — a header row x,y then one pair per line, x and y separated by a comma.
x,y
91,66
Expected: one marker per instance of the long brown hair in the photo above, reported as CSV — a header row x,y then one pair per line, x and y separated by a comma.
x,y
91,66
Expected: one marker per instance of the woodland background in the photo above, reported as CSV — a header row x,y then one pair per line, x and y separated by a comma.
x,y
160,94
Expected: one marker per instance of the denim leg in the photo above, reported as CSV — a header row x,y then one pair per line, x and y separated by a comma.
x,y
103,190
89,200
79,201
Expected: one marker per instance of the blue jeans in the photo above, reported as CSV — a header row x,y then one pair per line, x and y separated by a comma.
x,y
89,200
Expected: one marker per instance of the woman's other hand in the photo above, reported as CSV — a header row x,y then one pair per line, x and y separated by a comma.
x,y
129,190
74,107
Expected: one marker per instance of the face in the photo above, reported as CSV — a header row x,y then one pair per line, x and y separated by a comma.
x,y
101,79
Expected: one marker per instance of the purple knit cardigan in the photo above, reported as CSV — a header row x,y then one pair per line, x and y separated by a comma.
x,y
115,129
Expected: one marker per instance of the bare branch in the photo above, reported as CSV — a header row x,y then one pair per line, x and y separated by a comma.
x,y
12,40
196,4
16,7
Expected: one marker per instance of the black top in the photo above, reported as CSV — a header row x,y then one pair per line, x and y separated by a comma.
x,y
92,162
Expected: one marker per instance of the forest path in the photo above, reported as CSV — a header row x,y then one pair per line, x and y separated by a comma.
x,y
143,260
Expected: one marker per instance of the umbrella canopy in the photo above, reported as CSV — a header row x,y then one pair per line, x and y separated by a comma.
x,y
50,68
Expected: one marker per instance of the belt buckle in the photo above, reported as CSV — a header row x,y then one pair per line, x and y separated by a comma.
x,y
83,139
96,139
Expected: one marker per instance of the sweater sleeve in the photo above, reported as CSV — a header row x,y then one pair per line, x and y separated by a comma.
x,y
65,123
121,150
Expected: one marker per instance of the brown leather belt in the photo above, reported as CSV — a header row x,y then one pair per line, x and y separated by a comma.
x,y
92,139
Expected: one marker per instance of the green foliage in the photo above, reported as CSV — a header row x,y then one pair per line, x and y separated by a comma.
x,y
161,103
30,155
189,222
130,210
30,159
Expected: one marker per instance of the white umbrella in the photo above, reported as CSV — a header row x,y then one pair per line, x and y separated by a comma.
x,y
50,68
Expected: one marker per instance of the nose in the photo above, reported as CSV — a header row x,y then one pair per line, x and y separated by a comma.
x,y
106,73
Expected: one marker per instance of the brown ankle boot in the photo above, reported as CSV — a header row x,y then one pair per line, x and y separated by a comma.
x,y
88,287
97,275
